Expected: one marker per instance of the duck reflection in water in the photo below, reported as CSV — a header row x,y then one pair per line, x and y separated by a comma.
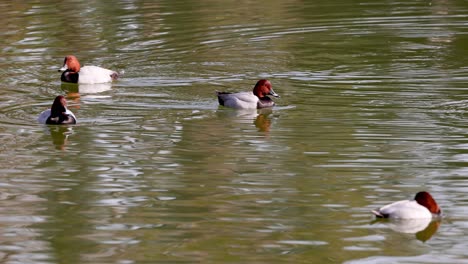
x,y
59,135
72,88
423,229
263,121
260,117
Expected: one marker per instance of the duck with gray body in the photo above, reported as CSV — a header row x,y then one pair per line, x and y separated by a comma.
x,y
58,114
258,98
74,73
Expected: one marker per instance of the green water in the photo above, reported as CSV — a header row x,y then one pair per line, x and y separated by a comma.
x,y
372,110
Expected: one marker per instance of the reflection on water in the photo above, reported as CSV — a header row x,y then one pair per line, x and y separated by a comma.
x,y
423,228
258,117
263,123
428,232
86,88
59,135
373,107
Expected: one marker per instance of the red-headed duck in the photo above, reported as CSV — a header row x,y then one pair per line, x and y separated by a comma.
x,y
249,100
423,206
58,114
74,73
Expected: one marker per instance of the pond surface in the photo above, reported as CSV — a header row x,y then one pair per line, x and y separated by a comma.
x,y
373,107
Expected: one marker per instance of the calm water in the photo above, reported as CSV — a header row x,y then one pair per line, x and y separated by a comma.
x,y
373,109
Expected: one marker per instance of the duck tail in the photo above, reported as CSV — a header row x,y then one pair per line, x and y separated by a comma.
x,y
116,75
220,98
379,214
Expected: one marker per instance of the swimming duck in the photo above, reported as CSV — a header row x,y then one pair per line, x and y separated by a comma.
x,y
423,206
74,73
249,100
58,114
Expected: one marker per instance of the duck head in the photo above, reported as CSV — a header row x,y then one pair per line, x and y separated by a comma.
x,y
58,113
263,88
70,63
426,200
59,106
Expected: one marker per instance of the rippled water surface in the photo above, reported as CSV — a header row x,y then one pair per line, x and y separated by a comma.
x,y
373,109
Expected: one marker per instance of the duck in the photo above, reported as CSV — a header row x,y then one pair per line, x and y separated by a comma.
x,y
256,99
423,206
74,73
58,114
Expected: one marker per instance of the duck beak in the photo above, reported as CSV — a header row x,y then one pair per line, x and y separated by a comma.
x,y
64,68
272,93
